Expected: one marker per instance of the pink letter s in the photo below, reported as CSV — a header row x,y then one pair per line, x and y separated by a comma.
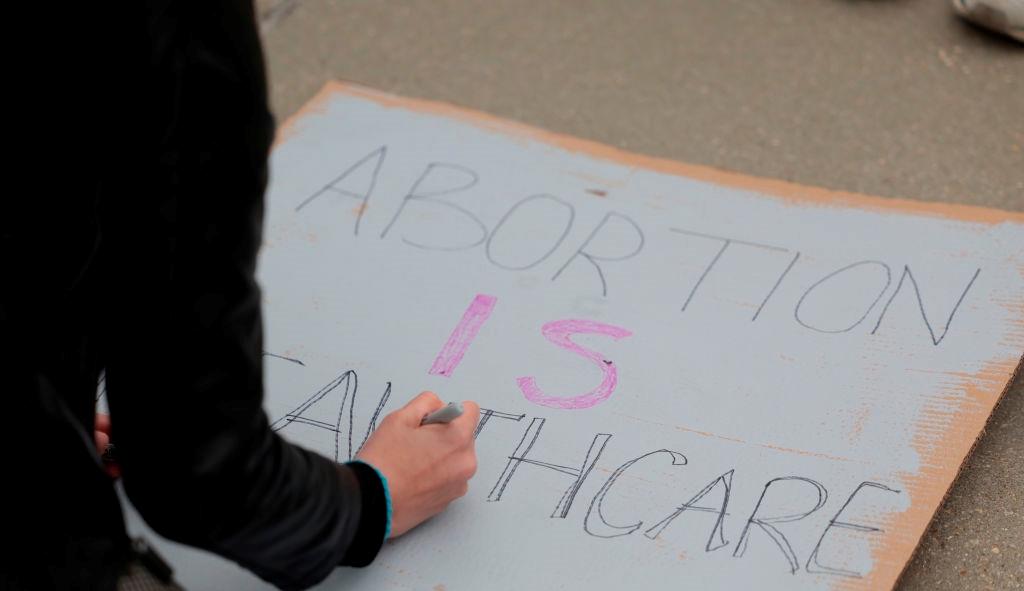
x,y
558,332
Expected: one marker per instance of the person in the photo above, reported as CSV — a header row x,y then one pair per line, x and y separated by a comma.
x,y
135,253
1001,16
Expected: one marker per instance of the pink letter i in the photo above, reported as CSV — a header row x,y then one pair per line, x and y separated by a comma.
x,y
465,331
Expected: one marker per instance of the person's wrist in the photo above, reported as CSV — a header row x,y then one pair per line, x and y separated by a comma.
x,y
373,515
389,512
386,494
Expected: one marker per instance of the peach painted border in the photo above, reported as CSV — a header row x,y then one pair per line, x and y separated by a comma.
x,y
951,422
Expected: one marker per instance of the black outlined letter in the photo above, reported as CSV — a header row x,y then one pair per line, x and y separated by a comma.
x,y
767,524
726,481
726,243
486,414
813,565
593,259
571,215
614,531
888,282
321,414
377,157
920,304
520,456
471,179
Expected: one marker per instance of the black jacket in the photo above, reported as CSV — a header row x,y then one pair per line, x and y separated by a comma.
x,y
134,251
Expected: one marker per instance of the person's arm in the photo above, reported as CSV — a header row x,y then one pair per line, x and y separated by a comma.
x,y
181,228
184,384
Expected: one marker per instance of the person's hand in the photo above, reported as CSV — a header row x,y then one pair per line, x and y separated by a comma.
x,y
427,467
101,434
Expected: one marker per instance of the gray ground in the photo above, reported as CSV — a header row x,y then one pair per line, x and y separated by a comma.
x,y
885,97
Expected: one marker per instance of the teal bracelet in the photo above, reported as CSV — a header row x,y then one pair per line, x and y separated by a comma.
x,y
387,498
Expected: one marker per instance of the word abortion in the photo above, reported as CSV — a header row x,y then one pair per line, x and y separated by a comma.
x,y
441,183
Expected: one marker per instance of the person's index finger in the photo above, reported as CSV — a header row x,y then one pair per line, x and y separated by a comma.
x,y
420,406
425,399
472,410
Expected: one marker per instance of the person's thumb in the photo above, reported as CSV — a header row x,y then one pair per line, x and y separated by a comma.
x,y
419,407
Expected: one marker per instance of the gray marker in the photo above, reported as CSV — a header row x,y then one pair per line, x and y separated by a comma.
x,y
445,414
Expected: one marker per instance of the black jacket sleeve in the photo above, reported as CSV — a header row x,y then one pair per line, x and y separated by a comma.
x,y
181,218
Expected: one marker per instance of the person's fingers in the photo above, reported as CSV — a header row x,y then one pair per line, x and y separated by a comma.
x,y
102,440
424,404
462,428
102,423
467,466
471,412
